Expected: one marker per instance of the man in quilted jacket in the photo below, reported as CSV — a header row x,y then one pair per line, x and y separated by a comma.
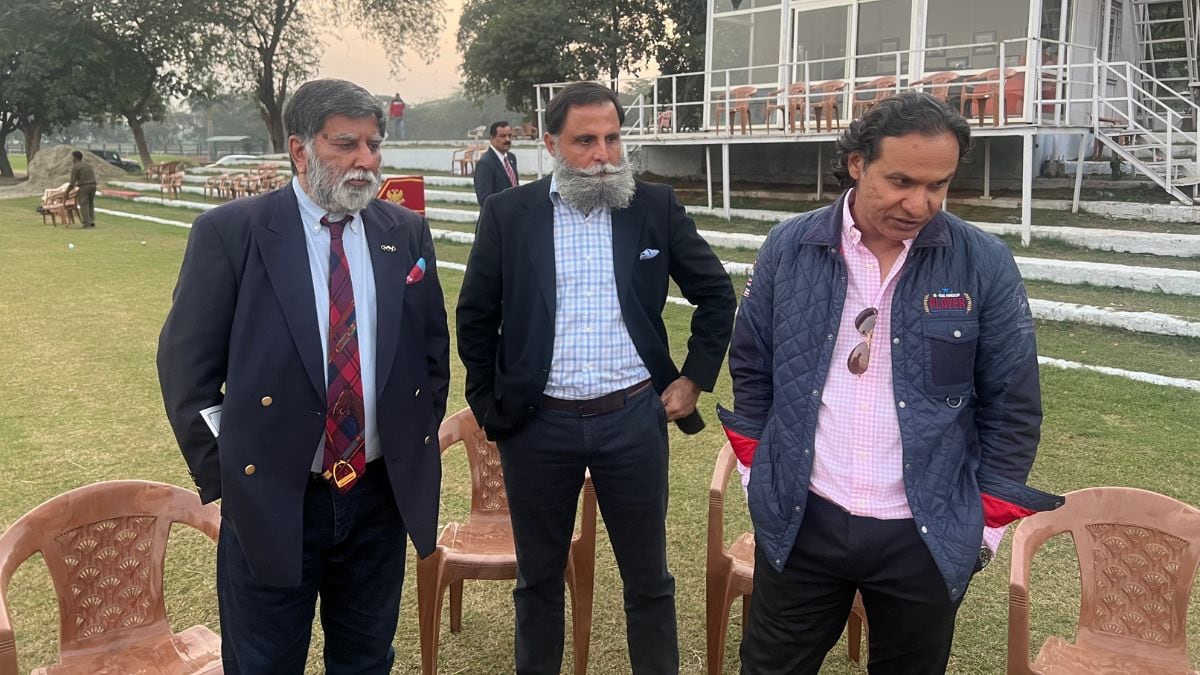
x,y
886,403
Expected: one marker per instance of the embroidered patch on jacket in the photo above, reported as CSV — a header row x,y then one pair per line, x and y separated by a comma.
x,y
948,302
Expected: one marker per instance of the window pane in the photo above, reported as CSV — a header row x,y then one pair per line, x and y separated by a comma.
x,y
731,5
821,34
746,40
964,22
882,28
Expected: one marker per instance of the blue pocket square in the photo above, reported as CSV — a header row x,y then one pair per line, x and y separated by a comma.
x,y
648,254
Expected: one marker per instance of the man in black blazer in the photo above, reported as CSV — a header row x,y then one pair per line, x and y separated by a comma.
x,y
568,366
496,170
312,316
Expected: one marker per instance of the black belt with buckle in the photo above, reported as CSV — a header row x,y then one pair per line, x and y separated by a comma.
x,y
596,406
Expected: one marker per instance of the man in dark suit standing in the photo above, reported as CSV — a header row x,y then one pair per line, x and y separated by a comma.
x,y
568,366
496,171
313,318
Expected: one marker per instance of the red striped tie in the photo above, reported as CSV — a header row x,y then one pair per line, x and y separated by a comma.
x,y
345,454
512,175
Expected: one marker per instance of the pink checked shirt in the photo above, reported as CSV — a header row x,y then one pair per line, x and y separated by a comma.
x,y
858,459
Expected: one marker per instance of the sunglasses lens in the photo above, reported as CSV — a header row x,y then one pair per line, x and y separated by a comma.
x,y
865,321
860,358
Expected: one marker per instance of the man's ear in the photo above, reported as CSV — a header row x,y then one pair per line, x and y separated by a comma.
x,y
298,154
855,165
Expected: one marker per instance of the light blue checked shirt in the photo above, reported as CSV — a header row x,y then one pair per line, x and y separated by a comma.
x,y
362,280
593,353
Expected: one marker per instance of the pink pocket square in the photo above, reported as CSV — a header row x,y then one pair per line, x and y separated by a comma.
x,y
417,272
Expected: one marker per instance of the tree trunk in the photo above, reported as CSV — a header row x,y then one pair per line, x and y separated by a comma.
x,y
273,118
139,139
6,170
33,139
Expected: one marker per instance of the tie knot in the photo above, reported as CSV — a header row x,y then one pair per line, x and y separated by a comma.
x,y
336,227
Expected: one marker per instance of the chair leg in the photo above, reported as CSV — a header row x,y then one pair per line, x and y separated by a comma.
x,y
580,583
854,637
430,585
717,619
456,589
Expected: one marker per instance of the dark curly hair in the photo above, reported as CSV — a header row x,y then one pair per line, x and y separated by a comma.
x,y
899,115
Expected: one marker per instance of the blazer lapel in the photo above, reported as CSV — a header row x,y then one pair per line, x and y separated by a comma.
x,y
285,256
539,229
627,226
390,268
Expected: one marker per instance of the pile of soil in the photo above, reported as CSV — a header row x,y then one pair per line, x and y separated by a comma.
x,y
51,167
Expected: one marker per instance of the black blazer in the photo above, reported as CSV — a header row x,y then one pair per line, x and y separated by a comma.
x,y
506,307
490,177
243,320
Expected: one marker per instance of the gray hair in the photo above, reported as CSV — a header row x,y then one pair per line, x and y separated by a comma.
x,y
318,100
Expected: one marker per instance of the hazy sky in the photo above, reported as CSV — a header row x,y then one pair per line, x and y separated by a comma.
x,y
349,56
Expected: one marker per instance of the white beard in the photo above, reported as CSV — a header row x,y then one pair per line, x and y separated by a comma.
x,y
607,186
331,190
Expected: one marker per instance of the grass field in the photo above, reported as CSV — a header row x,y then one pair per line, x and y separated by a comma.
x,y
79,403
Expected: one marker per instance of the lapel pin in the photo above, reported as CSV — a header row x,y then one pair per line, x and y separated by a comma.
x,y
387,247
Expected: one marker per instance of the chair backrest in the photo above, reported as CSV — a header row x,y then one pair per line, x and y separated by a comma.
x,y
1138,552
104,545
939,83
488,498
716,502
828,91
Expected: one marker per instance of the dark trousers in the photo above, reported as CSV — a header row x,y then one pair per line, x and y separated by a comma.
x,y
354,548
85,199
544,464
797,615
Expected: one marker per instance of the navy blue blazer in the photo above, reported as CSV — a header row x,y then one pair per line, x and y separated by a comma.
x,y
490,176
242,332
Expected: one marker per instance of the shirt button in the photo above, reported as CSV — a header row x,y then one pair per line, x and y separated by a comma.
x,y
924,530
958,333
249,470
267,401
902,404
895,340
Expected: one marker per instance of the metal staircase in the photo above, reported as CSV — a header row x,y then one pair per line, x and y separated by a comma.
x,y
1151,126
1166,39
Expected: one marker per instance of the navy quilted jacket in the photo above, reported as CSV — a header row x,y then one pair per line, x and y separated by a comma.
x,y
965,377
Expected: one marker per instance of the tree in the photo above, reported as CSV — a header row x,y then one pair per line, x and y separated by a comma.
x,y
508,46
273,44
151,51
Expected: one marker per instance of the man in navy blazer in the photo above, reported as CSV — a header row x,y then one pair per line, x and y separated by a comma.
x,y
491,176
568,365
257,328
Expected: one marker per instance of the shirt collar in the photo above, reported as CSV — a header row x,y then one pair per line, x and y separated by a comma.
x,y
311,214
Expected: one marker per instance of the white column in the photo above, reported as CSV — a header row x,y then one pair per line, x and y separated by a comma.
x,y
820,173
708,171
987,168
1026,188
725,179
1083,138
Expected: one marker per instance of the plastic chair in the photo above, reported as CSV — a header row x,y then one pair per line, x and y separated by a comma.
x,y
938,83
104,545
793,107
738,103
980,90
482,548
729,574
876,90
826,98
664,123
54,204
1138,552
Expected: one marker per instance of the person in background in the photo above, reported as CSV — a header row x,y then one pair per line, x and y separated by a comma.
x,y
313,319
886,402
396,118
496,171
84,178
